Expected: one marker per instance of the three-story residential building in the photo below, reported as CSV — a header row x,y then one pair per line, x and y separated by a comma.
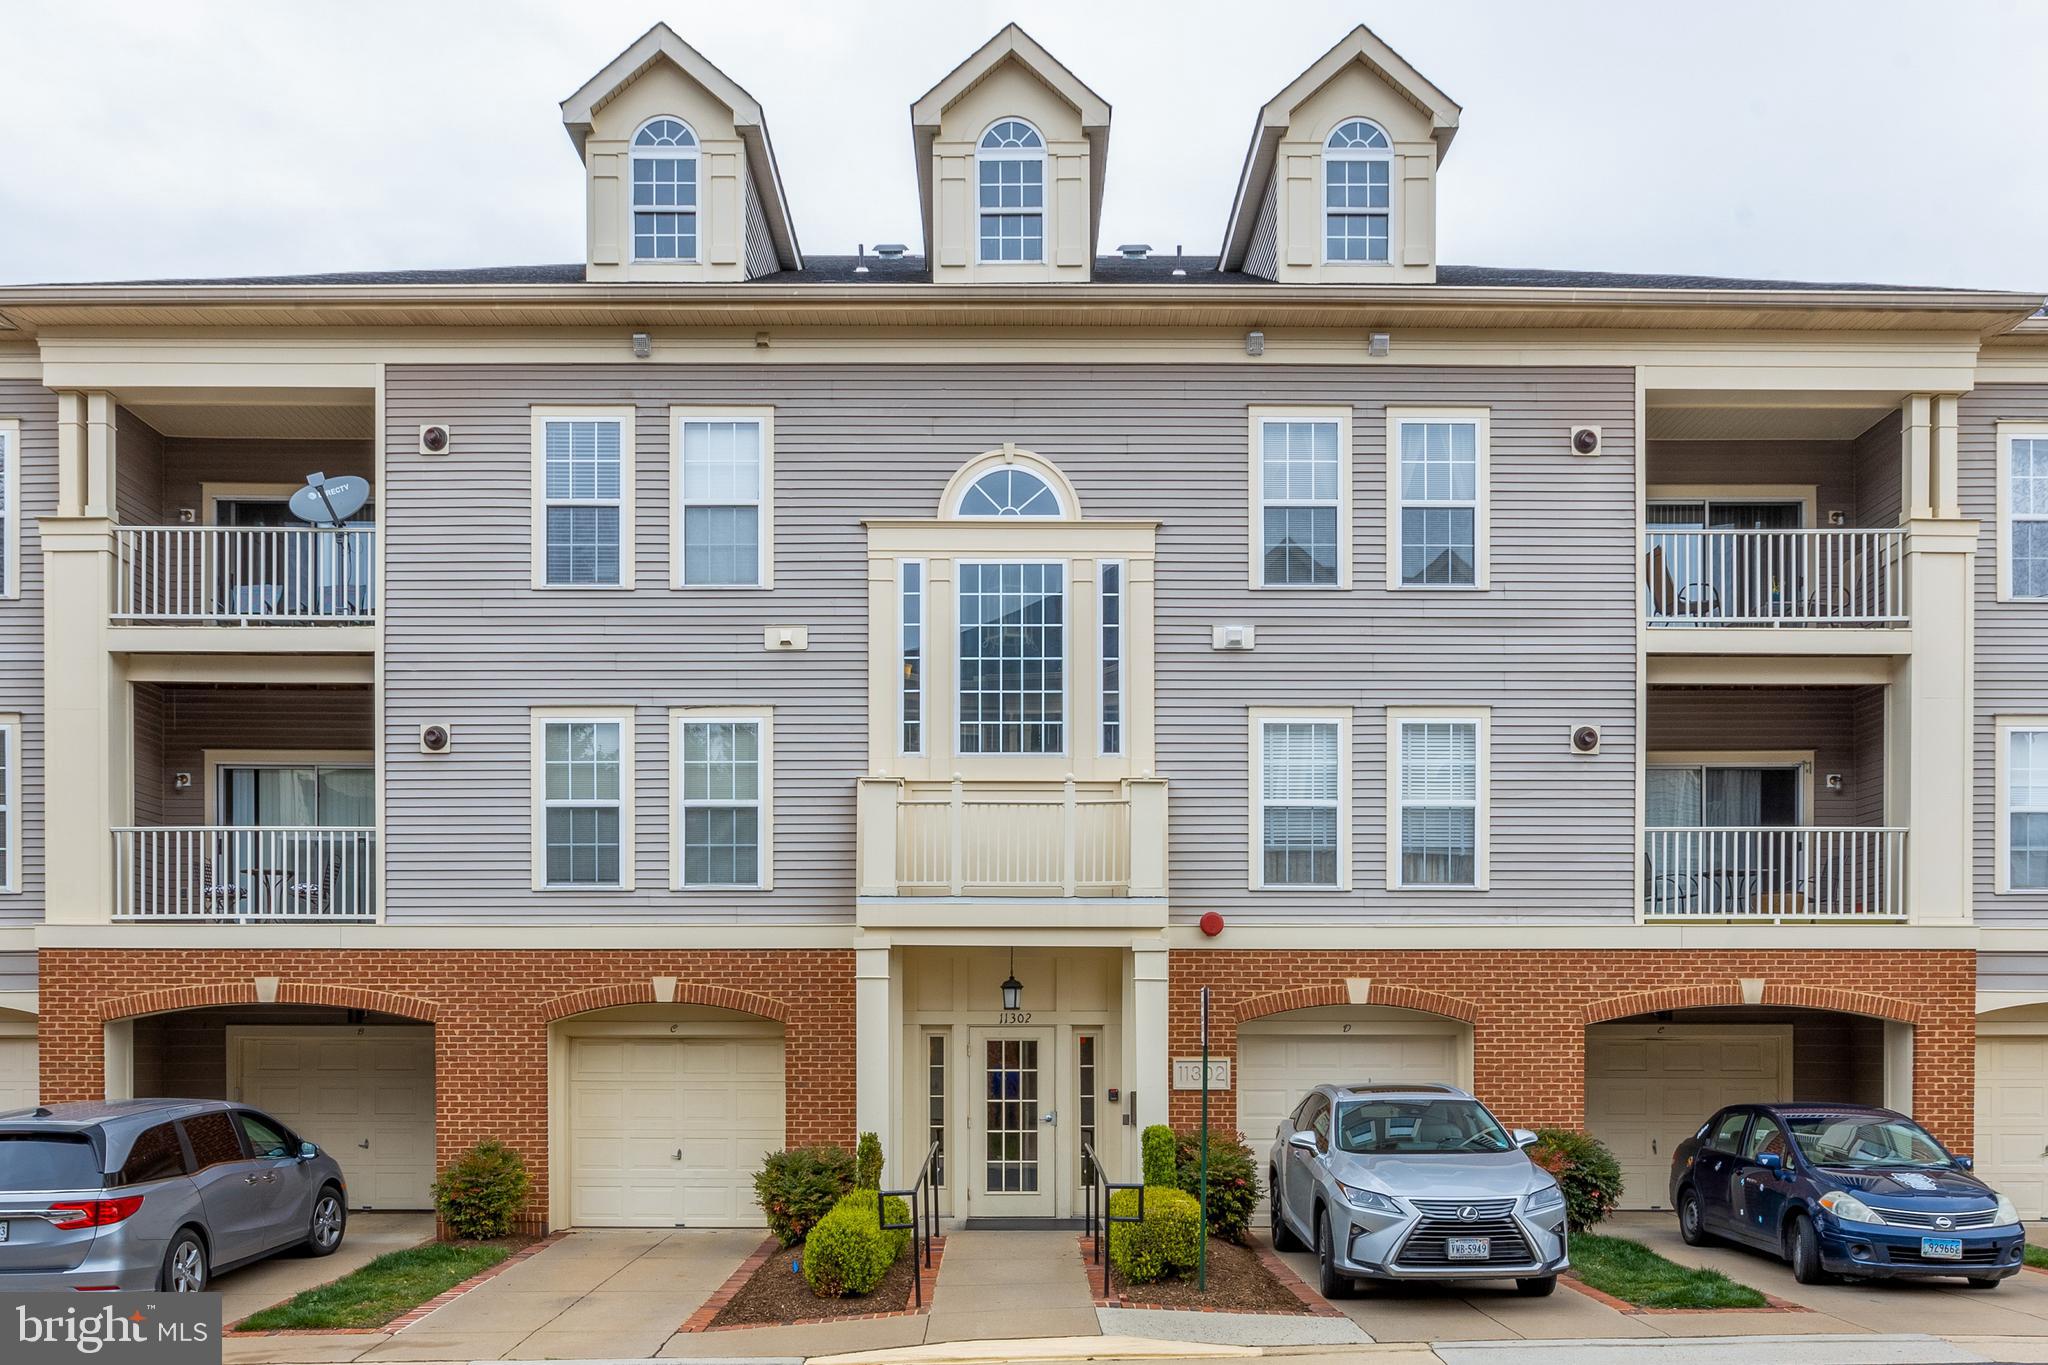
x,y
763,697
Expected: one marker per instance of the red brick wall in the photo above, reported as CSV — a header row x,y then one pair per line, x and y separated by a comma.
x,y
1529,1010
490,1011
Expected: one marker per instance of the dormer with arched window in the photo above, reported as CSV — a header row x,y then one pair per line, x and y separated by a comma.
x,y
1010,148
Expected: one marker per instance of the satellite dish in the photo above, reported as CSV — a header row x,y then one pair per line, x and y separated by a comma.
x,y
330,502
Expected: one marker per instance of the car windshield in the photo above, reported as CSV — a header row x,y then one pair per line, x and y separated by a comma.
x,y
48,1161
1863,1141
1448,1125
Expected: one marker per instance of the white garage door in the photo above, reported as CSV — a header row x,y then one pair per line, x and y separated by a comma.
x,y
1280,1060
669,1131
365,1095
1647,1091
18,1085
2012,1119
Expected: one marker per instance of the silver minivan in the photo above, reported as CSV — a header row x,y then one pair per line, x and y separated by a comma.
x,y
156,1194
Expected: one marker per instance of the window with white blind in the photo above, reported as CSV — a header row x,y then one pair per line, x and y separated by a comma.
x,y
1437,799
724,500
583,498
2023,803
1301,497
583,829
721,776
1301,824
2023,511
1437,494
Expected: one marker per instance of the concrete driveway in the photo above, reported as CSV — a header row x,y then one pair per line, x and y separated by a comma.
x,y
265,1282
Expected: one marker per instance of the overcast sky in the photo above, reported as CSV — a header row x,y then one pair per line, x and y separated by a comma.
x,y
1881,140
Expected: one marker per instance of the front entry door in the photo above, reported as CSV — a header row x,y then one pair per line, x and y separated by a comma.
x,y
1013,1123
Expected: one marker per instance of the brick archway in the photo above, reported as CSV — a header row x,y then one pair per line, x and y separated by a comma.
x,y
244,993
1842,1002
1338,993
687,993
1669,998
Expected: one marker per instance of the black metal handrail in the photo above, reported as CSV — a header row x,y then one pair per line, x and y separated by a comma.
x,y
923,1227
1096,1209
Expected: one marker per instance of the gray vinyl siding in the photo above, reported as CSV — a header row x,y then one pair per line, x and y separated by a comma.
x,y
2012,971
177,724
1262,253
138,471
1831,721
1830,466
1880,474
18,971
191,464
760,247
2012,638
21,629
469,642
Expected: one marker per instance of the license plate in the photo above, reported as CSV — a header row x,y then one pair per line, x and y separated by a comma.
x,y
1941,1248
1479,1248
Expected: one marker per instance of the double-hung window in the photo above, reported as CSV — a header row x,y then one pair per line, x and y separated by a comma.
x,y
1010,185
1358,194
722,798
724,507
584,500
1437,514
10,798
1013,658
664,191
911,626
1110,615
2023,511
1301,773
1437,785
1301,497
584,766
10,515
2023,802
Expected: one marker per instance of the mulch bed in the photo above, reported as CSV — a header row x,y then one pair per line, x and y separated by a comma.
x,y
765,1292
1242,1279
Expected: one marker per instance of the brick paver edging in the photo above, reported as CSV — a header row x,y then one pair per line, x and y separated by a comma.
x,y
414,1314
700,1321
1772,1303
1312,1304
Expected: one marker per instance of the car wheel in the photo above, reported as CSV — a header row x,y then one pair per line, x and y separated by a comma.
x,y
1690,1225
1329,1283
330,1221
184,1270
1805,1253
1541,1287
1283,1236
1985,1282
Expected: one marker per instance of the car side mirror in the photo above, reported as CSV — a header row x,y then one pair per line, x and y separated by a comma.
x,y
1524,1138
1304,1141
307,1151
1965,1163
1770,1161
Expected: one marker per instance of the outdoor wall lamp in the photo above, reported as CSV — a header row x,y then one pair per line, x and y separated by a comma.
x,y
1013,989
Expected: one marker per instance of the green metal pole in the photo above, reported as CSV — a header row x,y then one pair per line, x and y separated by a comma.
x,y
1202,1272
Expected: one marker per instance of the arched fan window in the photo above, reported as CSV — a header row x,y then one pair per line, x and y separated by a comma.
x,y
1010,492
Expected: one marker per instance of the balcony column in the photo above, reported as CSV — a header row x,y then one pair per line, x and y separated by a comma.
x,y
1151,1073
1946,459
1916,441
874,1102
1928,756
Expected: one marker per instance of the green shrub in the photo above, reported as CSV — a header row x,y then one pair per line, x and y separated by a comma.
x,y
1158,1155
1585,1169
1233,1180
867,1163
478,1195
1168,1242
798,1187
847,1252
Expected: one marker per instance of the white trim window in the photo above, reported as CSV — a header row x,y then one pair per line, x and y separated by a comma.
x,y
2023,507
1010,491
1358,194
10,795
1301,497
10,512
1012,657
2026,808
1110,600
1438,516
911,623
722,799
1302,813
1009,168
585,500
1437,792
723,503
664,191
584,819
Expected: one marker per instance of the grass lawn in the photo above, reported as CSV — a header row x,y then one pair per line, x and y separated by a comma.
x,y
1632,1272
2037,1255
382,1289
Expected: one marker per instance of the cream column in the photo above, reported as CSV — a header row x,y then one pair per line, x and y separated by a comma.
x,y
1928,781
874,1046
1916,433
1947,472
1153,1073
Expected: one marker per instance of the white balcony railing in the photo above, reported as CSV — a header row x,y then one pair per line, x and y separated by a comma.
x,y
1048,839
244,872
1799,872
1775,578
300,575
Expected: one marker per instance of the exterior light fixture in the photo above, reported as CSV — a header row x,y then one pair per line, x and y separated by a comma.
x,y
1254,343
1013,989
643,345
1379,343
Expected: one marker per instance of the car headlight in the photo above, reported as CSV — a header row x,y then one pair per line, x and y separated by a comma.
x,y
1544,1200
2007,1213
1849,1208
1367,1200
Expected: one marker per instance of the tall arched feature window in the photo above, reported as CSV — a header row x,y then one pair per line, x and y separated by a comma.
x,y
1358,192
1010,492
664,191
1010,171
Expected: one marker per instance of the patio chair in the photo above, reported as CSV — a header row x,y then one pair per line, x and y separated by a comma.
x,y
1669,599
217,894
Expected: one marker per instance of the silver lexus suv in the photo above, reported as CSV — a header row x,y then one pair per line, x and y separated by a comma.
x,y
156,1194
1412,1182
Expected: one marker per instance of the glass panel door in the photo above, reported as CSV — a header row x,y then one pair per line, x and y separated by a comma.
x,y
1013,1152
275,852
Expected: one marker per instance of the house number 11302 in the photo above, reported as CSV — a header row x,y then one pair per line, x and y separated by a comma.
x,y
1013,1017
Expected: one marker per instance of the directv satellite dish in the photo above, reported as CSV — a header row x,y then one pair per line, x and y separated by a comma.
x,y
330,502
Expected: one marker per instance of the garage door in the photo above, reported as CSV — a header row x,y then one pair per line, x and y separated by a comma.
x,y
18,1087
365,1095
669,1131
1278,1062
1646,1092
2012,1119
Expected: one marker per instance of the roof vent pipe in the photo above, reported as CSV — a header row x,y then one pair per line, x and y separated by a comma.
x,y
860,254
1180,266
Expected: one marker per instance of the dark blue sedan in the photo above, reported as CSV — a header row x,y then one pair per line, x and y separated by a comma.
x,y
1842,1189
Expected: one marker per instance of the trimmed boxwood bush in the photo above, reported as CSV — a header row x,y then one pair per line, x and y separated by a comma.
x,y
1233,1180
1168,1242
867,1162
478,1195
1585,1170
1157,1149
847,1252
798,1187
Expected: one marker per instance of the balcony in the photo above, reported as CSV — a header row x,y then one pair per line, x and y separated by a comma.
x,y
244,873
1775,578
1765,873
244,575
